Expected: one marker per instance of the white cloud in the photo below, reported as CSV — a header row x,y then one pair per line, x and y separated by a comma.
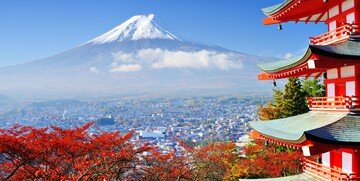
x,y
159,58
123,57
126,68
288,55
94,70
292,54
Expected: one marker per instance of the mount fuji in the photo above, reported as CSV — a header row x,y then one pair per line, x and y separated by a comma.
x,y
136,57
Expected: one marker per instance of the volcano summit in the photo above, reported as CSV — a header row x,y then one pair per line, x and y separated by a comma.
x,y
136,57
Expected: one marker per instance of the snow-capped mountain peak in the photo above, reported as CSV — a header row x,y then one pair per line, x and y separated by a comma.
x,y
137,27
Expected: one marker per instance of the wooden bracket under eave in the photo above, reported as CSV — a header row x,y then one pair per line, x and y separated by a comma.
x,y
264,76
270,21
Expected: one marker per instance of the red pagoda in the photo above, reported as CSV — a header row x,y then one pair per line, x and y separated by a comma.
x,y
331,129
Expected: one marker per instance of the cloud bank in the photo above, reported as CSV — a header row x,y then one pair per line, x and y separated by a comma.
x,y
94,70
125,68
160,59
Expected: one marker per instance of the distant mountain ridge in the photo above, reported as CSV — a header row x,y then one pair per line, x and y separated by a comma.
x,y
136,57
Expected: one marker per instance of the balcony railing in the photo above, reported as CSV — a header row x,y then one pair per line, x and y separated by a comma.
x,y
341,103
340,34
326,173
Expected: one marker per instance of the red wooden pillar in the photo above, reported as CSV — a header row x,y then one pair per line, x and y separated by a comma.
x,y
356,161
356,80
357,11
336,159
356,29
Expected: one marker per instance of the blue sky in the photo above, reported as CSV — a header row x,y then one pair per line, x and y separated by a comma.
x,y
36,29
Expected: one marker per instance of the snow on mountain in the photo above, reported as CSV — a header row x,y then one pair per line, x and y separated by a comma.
x,y
135,57
136,28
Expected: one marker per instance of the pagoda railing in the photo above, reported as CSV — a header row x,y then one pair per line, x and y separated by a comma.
x,y
341,33
324,172
345,103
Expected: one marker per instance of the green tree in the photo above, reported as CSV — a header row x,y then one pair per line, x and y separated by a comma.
x,y
268,112
293,99
272,110
313,88
291,102
278,98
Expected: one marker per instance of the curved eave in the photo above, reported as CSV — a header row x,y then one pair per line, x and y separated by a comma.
x,y
275,8
297,11
342,132
282,65
348,50
298,141
271,21
292,129
345,50
331,142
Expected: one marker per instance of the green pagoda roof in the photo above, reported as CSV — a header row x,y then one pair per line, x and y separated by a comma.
x,y
274,9
345,50
292,129
345,131
349,49
284,64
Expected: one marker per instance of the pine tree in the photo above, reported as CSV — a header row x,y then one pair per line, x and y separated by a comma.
x,y
291,102
294,99
313,87
278,98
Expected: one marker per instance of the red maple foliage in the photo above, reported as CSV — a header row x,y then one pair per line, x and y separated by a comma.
x,y
168,166
27,153
260,161
66,154
212,161
208,162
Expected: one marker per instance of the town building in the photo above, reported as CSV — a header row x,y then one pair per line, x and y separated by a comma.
x,y
331,129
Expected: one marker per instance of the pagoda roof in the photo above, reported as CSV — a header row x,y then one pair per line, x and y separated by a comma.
x,y
298,10
280,65
348,49
293,129
275,8
345,131
346,52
